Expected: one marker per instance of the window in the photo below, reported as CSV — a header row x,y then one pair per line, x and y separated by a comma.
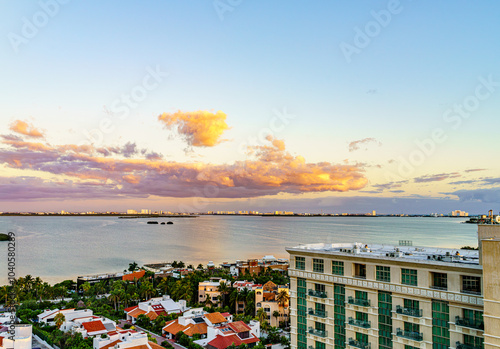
x,y
361,316
300,263
318,265
361,295
319,326
337,268
411,304
472,341
439,281
362,338
440,325
383,273
360,270
319,309
410,327
320,345
409,277
319,288
471,284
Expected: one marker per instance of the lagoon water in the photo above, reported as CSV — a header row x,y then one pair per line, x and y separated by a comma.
x,y
58,248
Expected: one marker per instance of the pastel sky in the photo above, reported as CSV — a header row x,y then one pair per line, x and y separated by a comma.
x,y
338,106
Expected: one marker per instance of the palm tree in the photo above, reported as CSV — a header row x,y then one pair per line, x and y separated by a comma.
x,y
276,314
224,290
86,288
4,292
261,315
208,302
282,297
59,319
115,296
163,286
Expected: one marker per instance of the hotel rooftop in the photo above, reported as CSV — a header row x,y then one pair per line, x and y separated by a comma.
x,y
410,253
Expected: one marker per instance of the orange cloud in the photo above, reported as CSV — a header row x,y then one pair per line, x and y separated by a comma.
x,y
268,170
199,128
26,129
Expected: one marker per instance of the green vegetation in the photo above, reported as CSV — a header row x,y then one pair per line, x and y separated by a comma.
x,y
4,237
468,248
109,299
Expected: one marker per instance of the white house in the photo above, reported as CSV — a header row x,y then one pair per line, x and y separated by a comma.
x,y
156,307
125,339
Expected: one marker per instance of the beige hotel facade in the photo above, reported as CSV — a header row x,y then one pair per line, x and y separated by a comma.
x,y
365,296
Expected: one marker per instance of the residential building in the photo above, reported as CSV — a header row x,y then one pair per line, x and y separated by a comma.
x,y
196,321
458,213
22,338
209,290
257,266
376,296
79,321
156,307
108,277
125,339
266,298
237,333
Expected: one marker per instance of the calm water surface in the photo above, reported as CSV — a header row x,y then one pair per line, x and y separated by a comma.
x,y
58,248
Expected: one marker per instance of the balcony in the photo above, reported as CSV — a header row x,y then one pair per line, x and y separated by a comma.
x,y
439,288
318,313
358,301
358,344
464,322
319,333
319,294
474,292
409,311
359,323
416,336
465,346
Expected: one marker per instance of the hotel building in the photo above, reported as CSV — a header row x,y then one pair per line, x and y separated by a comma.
x,y
403,297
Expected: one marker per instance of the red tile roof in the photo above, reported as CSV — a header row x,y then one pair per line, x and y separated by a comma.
x,y
151,315
198,328
215,318
93,326
222,342
129,309
239,326
173,327
136,312
226,315
131,276
155,346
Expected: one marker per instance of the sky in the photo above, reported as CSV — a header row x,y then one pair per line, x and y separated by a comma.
x,y
250,105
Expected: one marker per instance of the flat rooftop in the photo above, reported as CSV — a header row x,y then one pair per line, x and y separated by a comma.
x,y
410,253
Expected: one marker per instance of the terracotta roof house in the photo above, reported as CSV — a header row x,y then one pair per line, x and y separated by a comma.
x,y
156,307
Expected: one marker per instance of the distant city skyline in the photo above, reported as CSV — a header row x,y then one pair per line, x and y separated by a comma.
x,y
340,107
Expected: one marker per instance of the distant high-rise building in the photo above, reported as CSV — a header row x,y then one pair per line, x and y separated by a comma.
x,y
131,212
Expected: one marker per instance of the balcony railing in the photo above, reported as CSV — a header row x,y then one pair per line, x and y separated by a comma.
x,y
320,294
408,311
360,276
319,313
359,323
464,322
358,344
319,333
416,336
358,301
440,288
474,292
465,346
